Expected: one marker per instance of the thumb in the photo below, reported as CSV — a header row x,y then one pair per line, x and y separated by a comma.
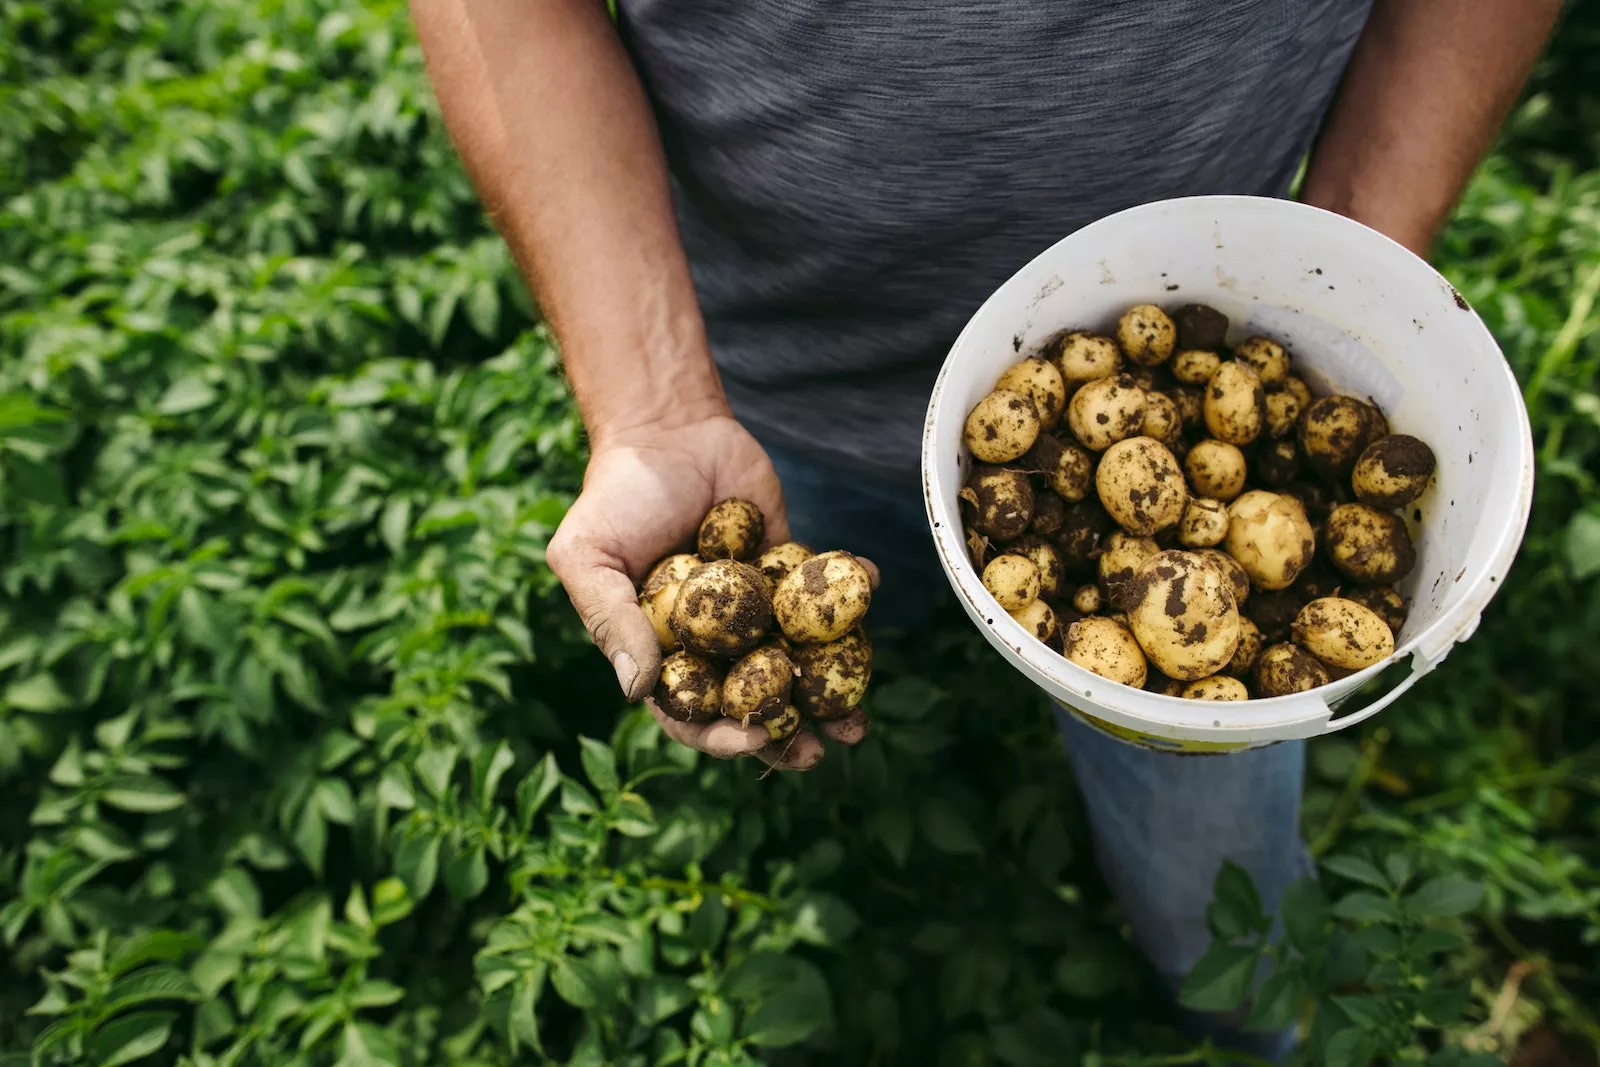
x,y
604,597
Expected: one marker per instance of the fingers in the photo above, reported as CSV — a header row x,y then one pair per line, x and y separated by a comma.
x,y
849,730
799,752
872,571
722,739
604,597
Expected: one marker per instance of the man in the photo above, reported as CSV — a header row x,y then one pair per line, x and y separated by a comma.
x,y
757,225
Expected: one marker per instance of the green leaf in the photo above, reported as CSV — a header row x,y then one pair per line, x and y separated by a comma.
x,y
186,395
153,946
756,975
40,693
660,997
1235,912
1356,869
1582,544
142,794
1429,942
467,873
575,982
1369,1013
947,829
376,993
132,1037
488,767
390,902
801,1008
364,1045
1442,1005
236,894
1368,907
433,767
523,1015
1091,970
1277,1002
1221,979
160,982
1398,865
536,788
892,826
334,798
417,864
1305,913
395,522
599,765
311,836
1348,1048
823,919
1444,897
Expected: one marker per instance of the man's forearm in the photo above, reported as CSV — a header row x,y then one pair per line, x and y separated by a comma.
x,y
555,131
1427,89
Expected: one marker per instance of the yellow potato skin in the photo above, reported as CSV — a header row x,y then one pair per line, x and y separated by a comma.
x,y
1107,648
1342,633
1235,404
1001,426
1184,615
1270,536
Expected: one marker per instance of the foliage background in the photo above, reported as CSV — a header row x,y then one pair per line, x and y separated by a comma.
x,y
305,760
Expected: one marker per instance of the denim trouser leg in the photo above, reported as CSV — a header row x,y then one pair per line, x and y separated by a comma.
x,y
1162,823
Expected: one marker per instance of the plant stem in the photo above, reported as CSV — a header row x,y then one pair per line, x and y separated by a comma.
x,y
1371,752
1565,344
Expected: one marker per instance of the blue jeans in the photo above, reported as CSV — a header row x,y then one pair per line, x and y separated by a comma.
x,y
1162,823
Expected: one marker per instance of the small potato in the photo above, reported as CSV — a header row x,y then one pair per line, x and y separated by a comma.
x,y
1216,469
1284,669
1120,561
1229,568
1087,600
1000,502
1278,462
1204,523
1235,404
822,599
1369,546
1068,467
1389,605
1283,414
832,678
1273,612
1156,682
1083,528
757,687
656,600
1048,515
1200,326
1393,471
689,688
1107,648
1105,411
1001,427
1270,536
1244,657
776,562
1264,356
1146,334
732,529
1342,633
1045,557
722,609
1084,357
1183,615
1013,581
672,569
1333,432
1195,366
1191,403
784,725
1040,380
1162,420
1216,687
1298,387
1141,486
1039,619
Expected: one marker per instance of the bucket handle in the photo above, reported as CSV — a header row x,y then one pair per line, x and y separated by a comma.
x,y
1420,665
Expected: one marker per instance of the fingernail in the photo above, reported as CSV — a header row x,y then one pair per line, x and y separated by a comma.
x,y
627,672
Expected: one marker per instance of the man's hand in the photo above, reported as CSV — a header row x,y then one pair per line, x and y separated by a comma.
x,y
643,496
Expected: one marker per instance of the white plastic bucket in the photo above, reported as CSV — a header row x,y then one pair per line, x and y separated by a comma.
x,y
1359,313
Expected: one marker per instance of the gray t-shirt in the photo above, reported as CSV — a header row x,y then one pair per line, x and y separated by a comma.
x,y
855,177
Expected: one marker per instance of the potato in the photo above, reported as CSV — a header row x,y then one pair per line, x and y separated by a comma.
x,y
1156,682
1085,357
1038,618
1283,669
1216,687
776,562
732,529
1000,502
660,593
1229,568
757,687
1001,427
1195,366
689,688
1087,600
1107,648
1297,386
822,599
1120,561
785,725
1048,514
1012,580
1146,334
1200,326
1270,536
1264,356
722,609
1183,615
1105,411
1273,612
1316,581
673,569
1191,404
1282,414
1278,462
1141,486
1235,404
832,678
1216,469
1333,432
1244,657
1393,471
1369,546
1389,605
1084,526
1342,633
1204,523
1162,420
1040,380
1068,468
1144,378
1044,556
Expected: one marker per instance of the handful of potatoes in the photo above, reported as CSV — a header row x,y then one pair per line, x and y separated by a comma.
x,y
1175,513
771,637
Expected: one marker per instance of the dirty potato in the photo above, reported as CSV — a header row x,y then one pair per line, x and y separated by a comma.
x,y
1299,389
1068,467
1044,556
722,609
732,529
1244,657
1369,546
1191,402
1385,600
1283,669
1270,536
1184,615
1084,357
1216,687
1012,580
1141,486
1268,358
1040,380
1105,411
1200,326
832,678
656,599
757,687
999,502
1342,633
689,688
776,562
1107,648
1162,420
1273,612
1087,600
1119,562
1230,569
1216,469
1393,471
822,599
1235,404
1048,514
673,568
1282,414
1083,527
1204,523
1001,427
1038,618
1334,430
1146,334
1278,462
1195,366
